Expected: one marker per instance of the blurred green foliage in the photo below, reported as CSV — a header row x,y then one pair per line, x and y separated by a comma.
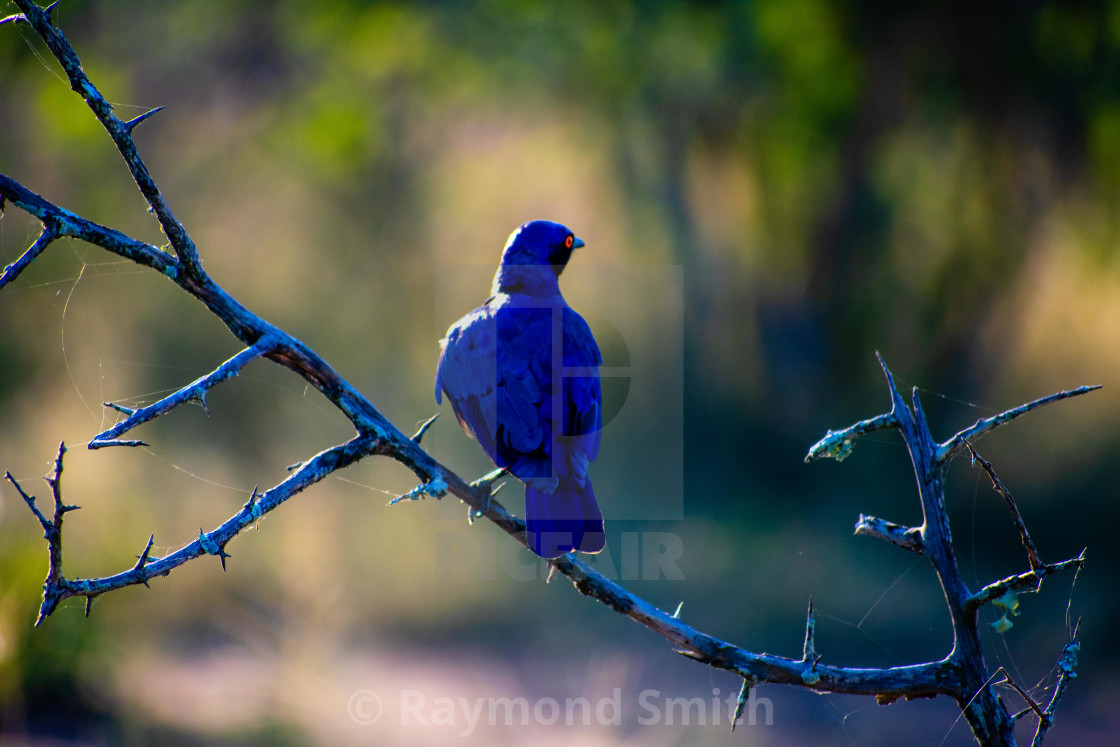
x,y
936,181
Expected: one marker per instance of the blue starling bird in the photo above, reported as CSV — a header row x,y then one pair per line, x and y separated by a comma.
x,y
522,375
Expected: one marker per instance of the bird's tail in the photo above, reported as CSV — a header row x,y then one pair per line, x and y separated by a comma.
x,y
563,521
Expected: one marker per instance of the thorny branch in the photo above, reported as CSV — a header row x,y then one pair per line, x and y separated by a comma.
x,y
196,390
961,674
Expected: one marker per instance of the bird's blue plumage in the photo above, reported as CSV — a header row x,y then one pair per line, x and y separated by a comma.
x,y
522,375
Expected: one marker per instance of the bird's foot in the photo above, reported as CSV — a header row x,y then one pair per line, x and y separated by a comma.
x,y
485,485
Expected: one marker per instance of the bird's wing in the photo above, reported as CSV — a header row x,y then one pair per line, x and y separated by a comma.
x,y
583,397
467,371
498,371
524,351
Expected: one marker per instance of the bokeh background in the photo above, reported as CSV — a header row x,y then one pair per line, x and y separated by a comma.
x,y
936,181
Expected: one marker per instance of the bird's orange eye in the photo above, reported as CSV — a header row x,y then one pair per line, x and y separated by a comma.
x,y
568,242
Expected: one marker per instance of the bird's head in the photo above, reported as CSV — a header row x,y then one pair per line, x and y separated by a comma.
x,y
535,255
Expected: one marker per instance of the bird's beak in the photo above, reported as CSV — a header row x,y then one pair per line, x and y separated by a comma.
x,y
577,242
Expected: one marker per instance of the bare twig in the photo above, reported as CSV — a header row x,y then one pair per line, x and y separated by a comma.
x,y
839,445
908,538
119,131
63,223
56,585
957,443
196,390
998,486
1031,704
1067,670
1030,580
48,234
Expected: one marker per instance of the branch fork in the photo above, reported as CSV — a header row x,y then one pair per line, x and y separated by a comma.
x,y
990,722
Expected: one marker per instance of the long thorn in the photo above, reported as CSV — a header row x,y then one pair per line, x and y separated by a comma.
x,y
809,650
424,429
130,125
